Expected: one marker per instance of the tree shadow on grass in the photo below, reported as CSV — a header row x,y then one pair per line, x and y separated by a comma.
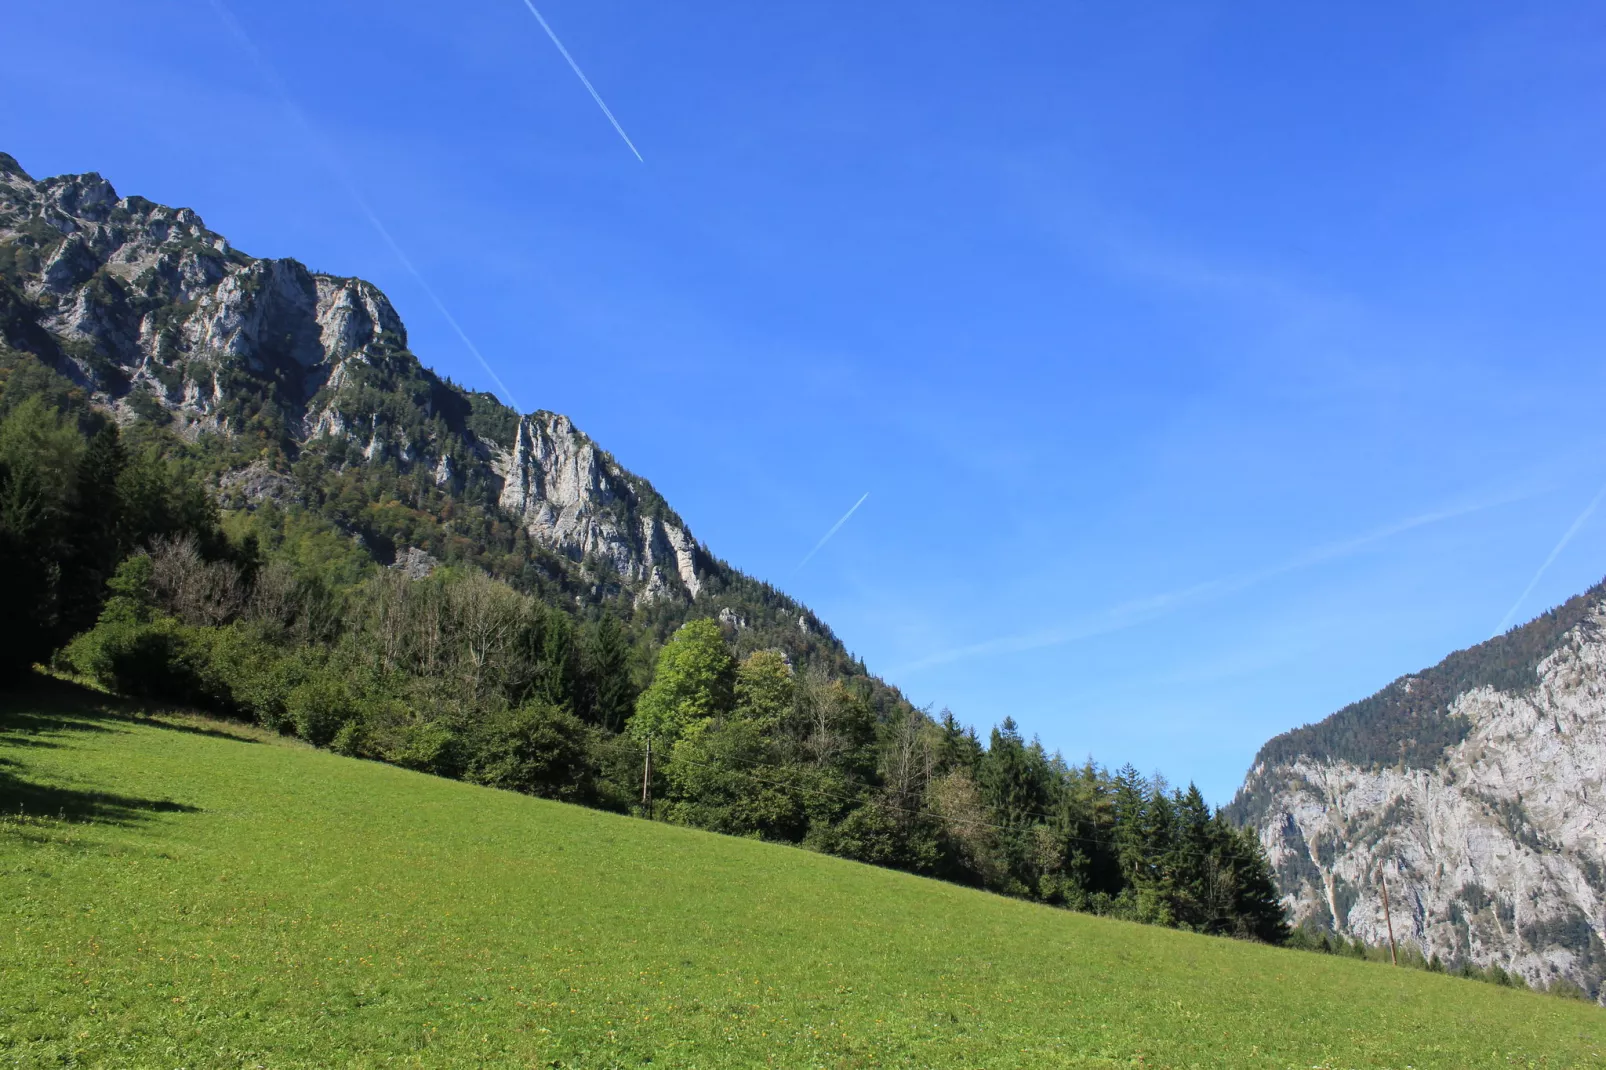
x,y
25,798
43,708
200,730
38,706
35,705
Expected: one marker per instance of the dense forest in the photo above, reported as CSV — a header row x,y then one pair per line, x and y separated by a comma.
x,y
123,569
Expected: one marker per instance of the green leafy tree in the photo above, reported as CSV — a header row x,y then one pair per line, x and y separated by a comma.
x,y
730,777
764,689
694,681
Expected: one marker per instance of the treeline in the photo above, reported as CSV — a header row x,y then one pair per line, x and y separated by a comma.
x,y
124,571
1409,720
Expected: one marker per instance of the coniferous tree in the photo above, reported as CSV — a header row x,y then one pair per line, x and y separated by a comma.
x,y
1193,864
606,659
1129,800
554,669
95,526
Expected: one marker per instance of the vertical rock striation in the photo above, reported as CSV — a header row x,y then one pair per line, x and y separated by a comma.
x,y
1474,788
158,316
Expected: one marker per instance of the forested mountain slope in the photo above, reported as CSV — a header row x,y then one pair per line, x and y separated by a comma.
x,y
300,388
226,482
1474,788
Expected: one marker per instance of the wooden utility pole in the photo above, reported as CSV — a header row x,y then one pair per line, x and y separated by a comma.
x,y
1393,955
646,782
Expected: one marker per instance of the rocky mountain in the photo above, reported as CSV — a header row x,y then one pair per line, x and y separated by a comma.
x,y
1474,789
298,387
153,312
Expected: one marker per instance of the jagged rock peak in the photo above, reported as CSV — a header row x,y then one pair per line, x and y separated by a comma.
x,y
158,316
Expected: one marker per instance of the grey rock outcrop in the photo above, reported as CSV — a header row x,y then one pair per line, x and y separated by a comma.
x,y
153,313
255,484
415,564
1494,846
568,493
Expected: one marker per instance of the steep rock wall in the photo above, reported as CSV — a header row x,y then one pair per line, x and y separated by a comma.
x,y
145,306
1494,850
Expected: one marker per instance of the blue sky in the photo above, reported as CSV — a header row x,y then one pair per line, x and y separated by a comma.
x,y
1207,365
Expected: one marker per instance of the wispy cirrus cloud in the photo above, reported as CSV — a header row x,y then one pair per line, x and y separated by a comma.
x,y
1143,610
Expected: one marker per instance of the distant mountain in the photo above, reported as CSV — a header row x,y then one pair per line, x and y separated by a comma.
x,y
1477,787
297,386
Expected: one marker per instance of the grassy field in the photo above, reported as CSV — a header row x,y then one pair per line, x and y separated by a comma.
x,y
178,893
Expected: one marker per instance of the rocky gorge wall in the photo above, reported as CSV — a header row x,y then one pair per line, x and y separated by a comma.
x,y
1494,852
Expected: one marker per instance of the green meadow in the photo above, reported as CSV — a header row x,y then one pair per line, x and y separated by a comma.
x,y
177,892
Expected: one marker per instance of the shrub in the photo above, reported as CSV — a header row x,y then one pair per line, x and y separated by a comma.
x,y
253,675
431,747
351,740
319,707
1567,990
538,748
155,658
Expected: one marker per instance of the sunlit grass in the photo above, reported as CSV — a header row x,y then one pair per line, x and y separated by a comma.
x,y
172,895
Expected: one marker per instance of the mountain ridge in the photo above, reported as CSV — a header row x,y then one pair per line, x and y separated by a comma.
x,y
158,317
160,307
1473,788
272,439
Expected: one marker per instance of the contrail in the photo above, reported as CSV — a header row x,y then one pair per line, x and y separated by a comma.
x,y
834,529
575,67
1589,511
332,160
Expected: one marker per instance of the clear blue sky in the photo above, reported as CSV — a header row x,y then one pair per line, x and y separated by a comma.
x,y
1207,365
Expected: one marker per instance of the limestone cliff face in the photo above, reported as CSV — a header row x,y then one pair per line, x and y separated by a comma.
x,y
154,313
569,493
1493,845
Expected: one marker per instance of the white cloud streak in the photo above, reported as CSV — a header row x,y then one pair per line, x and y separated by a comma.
x,y
1589,510
1143,610
834,529
578,73
333,162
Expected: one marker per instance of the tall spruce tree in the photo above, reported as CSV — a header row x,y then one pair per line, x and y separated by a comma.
x,y
610,693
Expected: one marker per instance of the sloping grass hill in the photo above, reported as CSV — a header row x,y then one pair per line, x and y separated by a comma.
x,y
178,893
